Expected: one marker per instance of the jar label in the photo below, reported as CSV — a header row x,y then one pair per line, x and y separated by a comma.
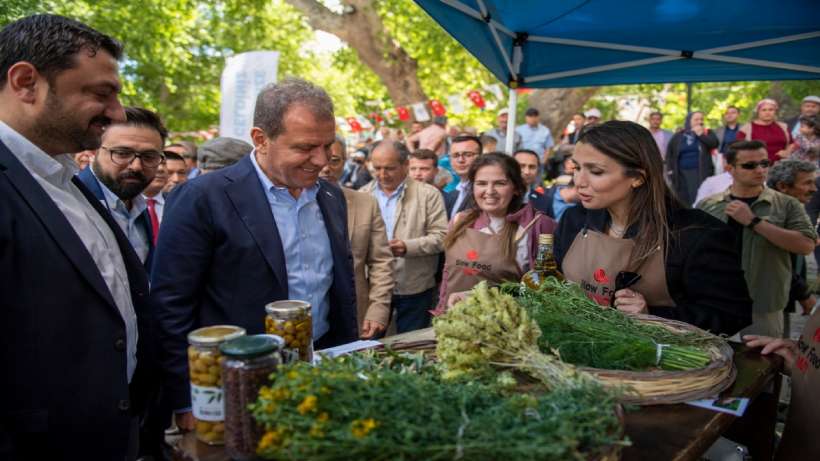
x,y
207,403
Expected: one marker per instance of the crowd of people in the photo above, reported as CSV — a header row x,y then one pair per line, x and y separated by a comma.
x,y
115,244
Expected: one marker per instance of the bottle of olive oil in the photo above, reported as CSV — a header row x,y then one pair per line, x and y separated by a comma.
x,y
545,264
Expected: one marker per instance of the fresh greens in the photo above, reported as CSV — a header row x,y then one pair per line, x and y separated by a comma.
x,y
584,334
399,408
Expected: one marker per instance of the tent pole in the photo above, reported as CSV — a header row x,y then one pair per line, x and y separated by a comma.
x,y
688,98
513,102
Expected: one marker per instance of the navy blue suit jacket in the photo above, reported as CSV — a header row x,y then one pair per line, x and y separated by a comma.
x,y
541,200
64,391
144,220
450,199
220,259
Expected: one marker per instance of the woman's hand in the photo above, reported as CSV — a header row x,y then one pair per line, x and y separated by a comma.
x,y
785,348
630,301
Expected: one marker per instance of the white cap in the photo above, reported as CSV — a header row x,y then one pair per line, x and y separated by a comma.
x,y
593,113
812,98
503,112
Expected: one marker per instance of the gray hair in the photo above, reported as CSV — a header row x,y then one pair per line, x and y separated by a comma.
x,y
399,147
341,142
785,172
276,98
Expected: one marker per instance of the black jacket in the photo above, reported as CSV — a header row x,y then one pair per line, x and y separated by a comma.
x,y
706,167
703,272
64,392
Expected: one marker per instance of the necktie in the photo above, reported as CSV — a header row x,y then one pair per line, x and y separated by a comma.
x,y
152,213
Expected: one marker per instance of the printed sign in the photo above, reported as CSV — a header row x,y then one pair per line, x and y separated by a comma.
x,y
207,403
243,77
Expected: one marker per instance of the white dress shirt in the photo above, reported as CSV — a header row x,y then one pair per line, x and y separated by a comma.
x,y
127,219
159,204
54,176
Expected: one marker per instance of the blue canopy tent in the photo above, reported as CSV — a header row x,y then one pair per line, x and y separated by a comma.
x,y
572,43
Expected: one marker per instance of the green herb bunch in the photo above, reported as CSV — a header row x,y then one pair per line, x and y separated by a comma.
x,y
583,333
488,330
363,407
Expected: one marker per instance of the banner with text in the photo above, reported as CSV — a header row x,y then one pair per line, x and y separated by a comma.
x,y
244,76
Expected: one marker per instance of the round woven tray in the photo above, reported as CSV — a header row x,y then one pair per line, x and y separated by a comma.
x,y
667,387
654,387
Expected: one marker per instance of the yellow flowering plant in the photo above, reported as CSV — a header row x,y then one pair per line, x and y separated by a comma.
x,y
397,407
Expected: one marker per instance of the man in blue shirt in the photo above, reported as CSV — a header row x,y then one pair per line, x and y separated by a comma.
x,y
261,230
535,136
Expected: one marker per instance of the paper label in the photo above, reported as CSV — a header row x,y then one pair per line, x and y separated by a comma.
x,y
207,403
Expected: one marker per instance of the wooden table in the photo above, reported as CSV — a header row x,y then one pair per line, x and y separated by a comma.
x,y
661,432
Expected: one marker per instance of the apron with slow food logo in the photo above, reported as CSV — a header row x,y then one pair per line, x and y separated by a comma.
x,y
799,440
594,260
477,256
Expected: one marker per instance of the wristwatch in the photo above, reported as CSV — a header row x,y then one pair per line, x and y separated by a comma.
x,y
754,222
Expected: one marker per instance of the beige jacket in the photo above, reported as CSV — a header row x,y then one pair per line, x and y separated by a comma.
x,y
421,222
373,265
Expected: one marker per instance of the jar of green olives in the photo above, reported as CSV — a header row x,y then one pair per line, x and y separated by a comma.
x,y
205,370
292,321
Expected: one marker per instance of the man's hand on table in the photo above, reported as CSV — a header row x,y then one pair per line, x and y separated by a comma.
x,y
185,421
371,328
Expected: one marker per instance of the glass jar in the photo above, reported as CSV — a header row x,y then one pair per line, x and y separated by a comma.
x,y
249,361
205,371
293,322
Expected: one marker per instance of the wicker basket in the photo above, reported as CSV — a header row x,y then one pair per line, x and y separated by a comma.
x,y
653,387
667,387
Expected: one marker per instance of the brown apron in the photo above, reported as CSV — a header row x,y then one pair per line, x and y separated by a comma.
x,y
800,440
477,256
594,260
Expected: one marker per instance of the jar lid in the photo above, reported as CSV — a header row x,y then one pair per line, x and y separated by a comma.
x,y
545,239
288,309
213,335
251,346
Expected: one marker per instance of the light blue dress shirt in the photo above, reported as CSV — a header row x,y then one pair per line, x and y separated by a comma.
x,y
306,245
127,219
536,139
387,205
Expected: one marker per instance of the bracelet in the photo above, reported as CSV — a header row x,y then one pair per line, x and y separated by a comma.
x,y
754,222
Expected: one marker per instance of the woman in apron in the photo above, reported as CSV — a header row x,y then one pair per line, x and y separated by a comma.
x,y
634,246
496,237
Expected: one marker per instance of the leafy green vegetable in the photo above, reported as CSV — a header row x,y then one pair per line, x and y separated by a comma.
x,y
582,333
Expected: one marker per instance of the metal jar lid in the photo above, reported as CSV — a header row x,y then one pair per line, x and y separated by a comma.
x,y
247,347
213,335
288,309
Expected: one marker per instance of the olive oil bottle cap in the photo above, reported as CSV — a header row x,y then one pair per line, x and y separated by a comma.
x,y
545,239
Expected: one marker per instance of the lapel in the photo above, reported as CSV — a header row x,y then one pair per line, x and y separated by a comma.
x,y
352,211
87,177
400,204
54,222
251,203
329,205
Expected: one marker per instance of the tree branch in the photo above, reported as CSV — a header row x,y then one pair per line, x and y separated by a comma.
x,y
320,17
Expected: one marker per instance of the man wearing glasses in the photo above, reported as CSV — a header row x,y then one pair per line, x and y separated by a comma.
x,y
769,226
124,166
463,152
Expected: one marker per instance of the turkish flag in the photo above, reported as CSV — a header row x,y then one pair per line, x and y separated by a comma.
x,y
477,99
354,124
438,108
404,114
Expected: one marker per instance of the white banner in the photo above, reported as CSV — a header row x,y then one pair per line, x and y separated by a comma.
x,y
243,77
420,112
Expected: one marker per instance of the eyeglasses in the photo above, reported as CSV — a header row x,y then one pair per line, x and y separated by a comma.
x,y
122,156
753,165
464,155
335,161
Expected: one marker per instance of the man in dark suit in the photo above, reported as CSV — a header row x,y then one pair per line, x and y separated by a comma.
x,y
261,230
75,323
463,152
125,164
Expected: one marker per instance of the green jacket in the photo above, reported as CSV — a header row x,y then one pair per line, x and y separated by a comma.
x,y
767,268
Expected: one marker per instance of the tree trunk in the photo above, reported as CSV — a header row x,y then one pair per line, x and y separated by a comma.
x,y
361,27
557,105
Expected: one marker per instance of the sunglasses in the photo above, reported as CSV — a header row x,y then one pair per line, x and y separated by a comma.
x,y
623,280
753,165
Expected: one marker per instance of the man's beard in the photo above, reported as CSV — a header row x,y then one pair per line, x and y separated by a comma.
x,y
58,124
123,191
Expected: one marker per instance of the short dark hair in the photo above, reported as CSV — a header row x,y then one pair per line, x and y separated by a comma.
x,y
138,116
531,112
731,153
580,114
468,137
425,154
275,99
655,112
171,155
188,146
733,107
50,42
528,152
